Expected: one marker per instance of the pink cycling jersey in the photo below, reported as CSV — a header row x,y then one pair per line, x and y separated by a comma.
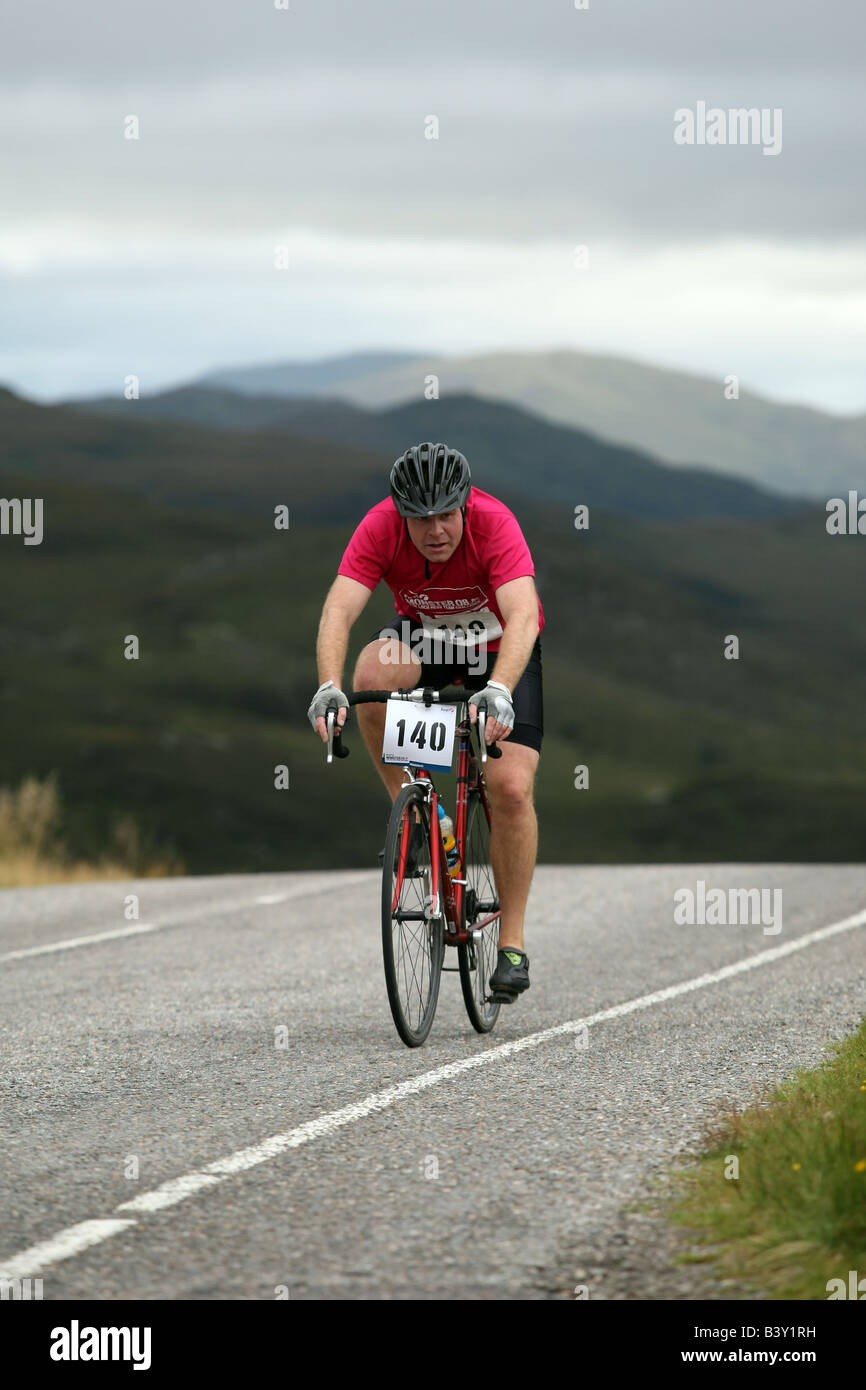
x,y
457,596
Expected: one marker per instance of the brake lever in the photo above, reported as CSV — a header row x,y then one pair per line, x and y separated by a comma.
x,y
336,747
493,751
329,720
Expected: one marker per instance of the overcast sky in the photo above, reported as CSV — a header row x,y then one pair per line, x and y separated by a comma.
x,y
305,128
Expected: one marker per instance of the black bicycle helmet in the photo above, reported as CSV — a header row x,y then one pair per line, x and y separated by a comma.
x,y
430,478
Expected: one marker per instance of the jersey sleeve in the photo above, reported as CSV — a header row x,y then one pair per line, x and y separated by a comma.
x,y
368,553
508,555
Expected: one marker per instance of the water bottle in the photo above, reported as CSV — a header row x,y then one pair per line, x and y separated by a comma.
x,y
446,826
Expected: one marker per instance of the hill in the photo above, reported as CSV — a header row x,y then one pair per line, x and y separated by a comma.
x,y
676,416
512,452
691,757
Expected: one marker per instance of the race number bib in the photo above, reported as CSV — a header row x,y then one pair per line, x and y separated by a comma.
x,y
464,629
451,616
419,735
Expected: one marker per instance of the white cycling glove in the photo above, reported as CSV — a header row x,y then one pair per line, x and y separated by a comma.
x,y
497,702
323,699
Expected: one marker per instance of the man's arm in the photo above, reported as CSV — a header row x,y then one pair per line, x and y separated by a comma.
x,y
344,604
346,600
518,604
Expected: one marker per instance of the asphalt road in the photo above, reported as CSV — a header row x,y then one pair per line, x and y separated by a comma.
x,y
253,1039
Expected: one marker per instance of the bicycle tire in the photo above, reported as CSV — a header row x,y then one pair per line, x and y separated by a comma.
x,y
413,948
477,959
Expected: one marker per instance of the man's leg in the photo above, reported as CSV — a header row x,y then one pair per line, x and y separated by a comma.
x,y
384,665
513,834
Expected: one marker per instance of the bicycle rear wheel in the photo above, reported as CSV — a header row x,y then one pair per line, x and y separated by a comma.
x,y
412,938
477,959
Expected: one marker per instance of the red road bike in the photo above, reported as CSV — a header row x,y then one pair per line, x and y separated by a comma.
x,y
425,909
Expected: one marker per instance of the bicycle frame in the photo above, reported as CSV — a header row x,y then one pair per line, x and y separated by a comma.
x,y
452,889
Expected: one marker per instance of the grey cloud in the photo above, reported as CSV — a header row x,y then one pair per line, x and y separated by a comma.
x,y
257,124
519,157
185,40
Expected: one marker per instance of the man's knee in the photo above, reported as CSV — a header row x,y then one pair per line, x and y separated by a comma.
x,y
511,797
510,787
380,658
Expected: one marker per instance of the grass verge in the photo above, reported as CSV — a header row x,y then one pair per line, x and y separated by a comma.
x,y
33,850
778,1203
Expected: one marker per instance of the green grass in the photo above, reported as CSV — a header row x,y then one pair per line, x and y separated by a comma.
x,y
795,1217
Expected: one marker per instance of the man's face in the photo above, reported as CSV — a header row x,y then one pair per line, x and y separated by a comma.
x,y
437,537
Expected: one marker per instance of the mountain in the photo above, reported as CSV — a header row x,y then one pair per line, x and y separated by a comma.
x,y
164,530
513,453
221,408
326,376
680,417
691,757
181,465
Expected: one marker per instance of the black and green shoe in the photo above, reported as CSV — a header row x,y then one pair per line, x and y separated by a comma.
x,y
511,976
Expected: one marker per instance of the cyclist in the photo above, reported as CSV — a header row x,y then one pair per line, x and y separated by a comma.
x,y
467,612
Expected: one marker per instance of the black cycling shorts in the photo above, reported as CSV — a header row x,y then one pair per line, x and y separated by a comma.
x,y
451,667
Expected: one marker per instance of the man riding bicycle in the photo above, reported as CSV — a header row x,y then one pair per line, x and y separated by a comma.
x,y
467,613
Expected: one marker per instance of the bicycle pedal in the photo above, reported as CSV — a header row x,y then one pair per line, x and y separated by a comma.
x,y
500,997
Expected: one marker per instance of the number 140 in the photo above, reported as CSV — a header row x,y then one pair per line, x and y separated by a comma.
x,y
418,735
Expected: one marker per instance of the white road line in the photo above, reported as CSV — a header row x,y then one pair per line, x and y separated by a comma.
x,y
63,1246
170,1193
71,942
29,1263
299,890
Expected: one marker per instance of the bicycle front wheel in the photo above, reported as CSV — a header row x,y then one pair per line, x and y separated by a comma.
x,y
412,937
477,959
